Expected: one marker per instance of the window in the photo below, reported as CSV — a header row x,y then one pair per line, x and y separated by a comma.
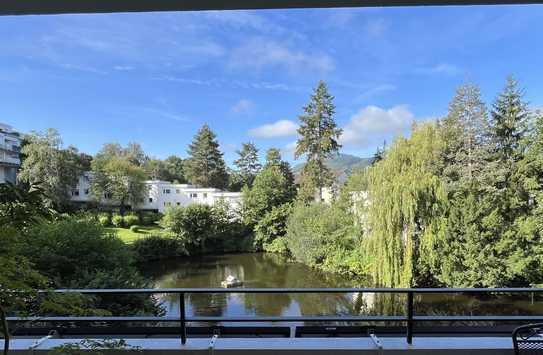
x,y
193,195
166,191
150,199
178,203
205,194
75,192
177,191
86,191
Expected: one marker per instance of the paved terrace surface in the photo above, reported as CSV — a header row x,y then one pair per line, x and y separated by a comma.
x,y
298,346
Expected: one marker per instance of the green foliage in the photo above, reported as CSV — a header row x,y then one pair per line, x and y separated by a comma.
x,y
271,188
205,166
104,219
272,226
47,165
98,347
247,164
134,228
119,179
278,246
318,141
314,230
77,252
175,169
405,195
117,220
155,247
130,220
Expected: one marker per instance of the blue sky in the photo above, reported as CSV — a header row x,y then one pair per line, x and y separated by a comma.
x,y
155,78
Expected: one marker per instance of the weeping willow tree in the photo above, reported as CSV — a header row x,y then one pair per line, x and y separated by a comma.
x,y
406,199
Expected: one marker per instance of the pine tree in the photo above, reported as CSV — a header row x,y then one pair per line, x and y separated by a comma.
x,y
509,122
205,167
465,133
273,158
318,141
247,163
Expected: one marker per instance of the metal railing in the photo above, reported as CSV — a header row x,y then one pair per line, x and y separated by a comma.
x,y
409,318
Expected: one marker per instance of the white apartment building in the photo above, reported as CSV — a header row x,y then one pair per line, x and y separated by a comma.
x,y
164,194
10,148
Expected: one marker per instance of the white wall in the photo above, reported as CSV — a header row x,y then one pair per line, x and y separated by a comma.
x,y
164,194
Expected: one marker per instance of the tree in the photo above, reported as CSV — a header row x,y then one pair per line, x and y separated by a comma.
x,y
270,189
48,165
465,133
247,163
205,166
117,178
156,169
318,141
273,158
175,169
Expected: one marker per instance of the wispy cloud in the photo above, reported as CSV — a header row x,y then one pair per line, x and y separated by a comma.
x,y
442,68
375,91
261,53
166,114
237,84
242,107
281,128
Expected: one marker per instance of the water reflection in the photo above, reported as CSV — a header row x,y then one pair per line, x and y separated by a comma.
x,y
258,270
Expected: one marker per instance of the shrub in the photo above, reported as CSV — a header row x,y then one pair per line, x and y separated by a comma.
x,y
148,218
130,220
278,246
104,219
194,224
78,252
314,231
158,247
271,226
117,220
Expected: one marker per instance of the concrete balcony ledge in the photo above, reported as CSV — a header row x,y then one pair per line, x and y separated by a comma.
x,y
298,346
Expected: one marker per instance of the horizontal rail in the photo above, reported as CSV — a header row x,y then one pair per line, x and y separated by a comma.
x,y
409,319
300,290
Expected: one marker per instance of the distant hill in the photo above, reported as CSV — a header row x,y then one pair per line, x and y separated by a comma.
x,y
341,165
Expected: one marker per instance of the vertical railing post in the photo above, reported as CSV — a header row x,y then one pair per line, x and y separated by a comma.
x,y
182,318
409,317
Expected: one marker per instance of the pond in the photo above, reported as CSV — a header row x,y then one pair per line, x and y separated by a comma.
x,y
260,270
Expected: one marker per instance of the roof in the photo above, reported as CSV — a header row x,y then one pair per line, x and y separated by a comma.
x,y
26,7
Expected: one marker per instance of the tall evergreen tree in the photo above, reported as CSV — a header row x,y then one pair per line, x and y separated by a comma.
x,y
247,163
205,166
465,131
273,158
318,140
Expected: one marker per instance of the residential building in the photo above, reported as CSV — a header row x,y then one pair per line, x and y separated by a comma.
x,y
10,148
163,194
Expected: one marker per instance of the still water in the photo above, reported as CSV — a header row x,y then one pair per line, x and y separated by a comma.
x,y
260,270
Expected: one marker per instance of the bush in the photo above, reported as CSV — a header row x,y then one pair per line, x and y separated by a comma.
x,y
134,228
271,226
158,247
278,246
314,231
149,218
130,220
104,219
117,220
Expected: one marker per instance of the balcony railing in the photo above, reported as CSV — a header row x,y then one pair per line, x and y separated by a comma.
x,y
409,319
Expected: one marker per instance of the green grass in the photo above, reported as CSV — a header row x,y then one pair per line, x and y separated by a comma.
x,y
128,236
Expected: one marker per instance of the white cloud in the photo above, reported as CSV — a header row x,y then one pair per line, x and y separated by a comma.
x,y
123,67
259,53
242,107
372,124
281,128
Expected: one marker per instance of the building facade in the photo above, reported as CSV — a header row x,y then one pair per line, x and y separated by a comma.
x,y
10,149
163,194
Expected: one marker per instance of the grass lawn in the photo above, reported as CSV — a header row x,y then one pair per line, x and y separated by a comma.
x,y
128,236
